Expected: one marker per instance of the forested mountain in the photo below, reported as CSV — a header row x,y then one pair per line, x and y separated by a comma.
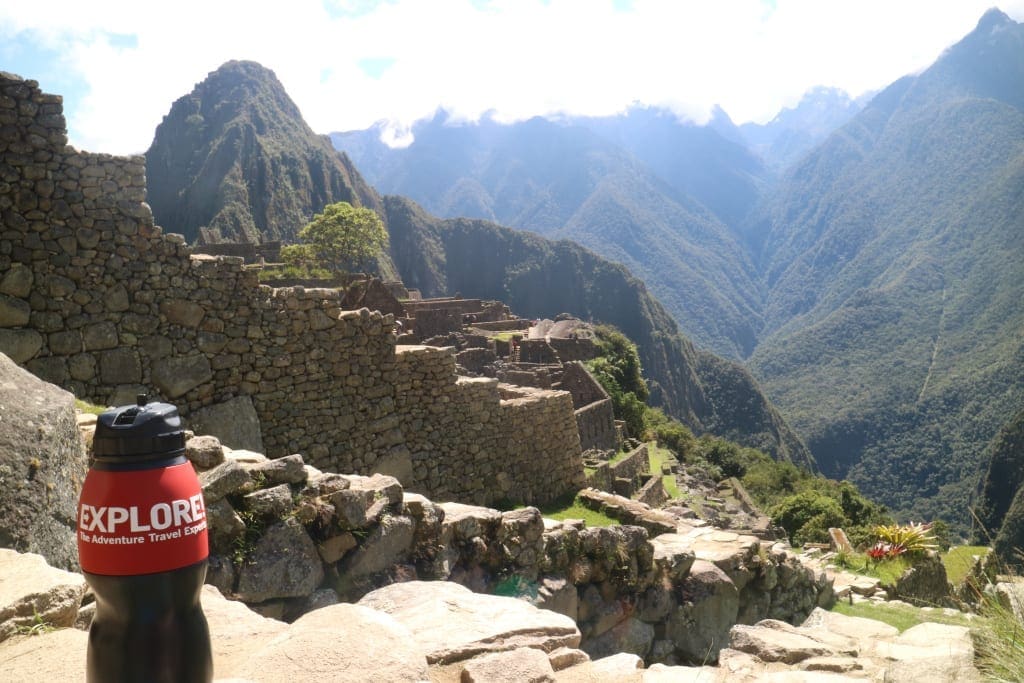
x,y
538,277
795,131
875,288
1000,508
196,170
894,266
643,189
234,156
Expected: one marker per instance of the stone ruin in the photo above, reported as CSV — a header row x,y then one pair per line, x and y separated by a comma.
x,y
96,299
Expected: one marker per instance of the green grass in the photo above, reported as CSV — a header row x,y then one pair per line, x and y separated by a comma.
x,y
273,273
900,616
657,457
960,559
999,643
572,508
618,457
86,407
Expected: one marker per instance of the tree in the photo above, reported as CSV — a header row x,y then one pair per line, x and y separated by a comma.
x,y
343,236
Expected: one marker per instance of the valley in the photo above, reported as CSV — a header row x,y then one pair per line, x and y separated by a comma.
x,y
872,285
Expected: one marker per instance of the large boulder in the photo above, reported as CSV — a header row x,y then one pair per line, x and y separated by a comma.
x,y
234,422
284,564
34,595
452,624
709,604
924,584
42,466
340,644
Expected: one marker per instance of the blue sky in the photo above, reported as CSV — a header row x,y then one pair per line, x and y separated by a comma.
x,y
348,63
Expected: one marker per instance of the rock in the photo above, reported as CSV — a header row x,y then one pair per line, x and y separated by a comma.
x,y
221,574
387,545
284,564
177,375
558,595
234,422
17,281
318,599
1011,596
451,623
709,605
675,553
180,312
924,585
524,664
34,594
120,366
858,629
469,521
620,668
659,673
99,336
932,653
30,658
42,466
338,644
20,345
274,502
14,312
237,634
397,464
564,657
204,451
289,469
335,547
225,479
224,524
630,635
770,644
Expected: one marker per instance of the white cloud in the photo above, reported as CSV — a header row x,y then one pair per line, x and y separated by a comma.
x,y
517,58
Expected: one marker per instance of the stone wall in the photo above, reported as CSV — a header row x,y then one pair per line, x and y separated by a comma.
x,y
574,349
596,425
94,298
665,588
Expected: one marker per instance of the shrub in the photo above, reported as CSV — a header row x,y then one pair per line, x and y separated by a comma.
x,y
896,539
807,516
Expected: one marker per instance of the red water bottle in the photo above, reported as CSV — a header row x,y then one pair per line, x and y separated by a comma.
x,y
142,544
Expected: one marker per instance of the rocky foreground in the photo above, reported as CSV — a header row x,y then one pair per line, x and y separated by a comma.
x,y
440,631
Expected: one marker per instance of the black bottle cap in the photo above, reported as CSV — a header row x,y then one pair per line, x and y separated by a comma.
x,y
145,431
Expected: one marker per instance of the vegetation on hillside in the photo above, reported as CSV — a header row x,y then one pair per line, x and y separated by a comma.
x,y
999,511
644,189
541,278
803,503
896,275
234,161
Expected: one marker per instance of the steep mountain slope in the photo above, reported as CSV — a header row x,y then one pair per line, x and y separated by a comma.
x,y
895,272
795,131
656,204
542,278
1000,508
235,157
536,276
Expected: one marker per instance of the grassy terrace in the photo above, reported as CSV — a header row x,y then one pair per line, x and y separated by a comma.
x,y
657,457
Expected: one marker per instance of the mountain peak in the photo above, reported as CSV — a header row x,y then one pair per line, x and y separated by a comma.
x,y
212,165
993,18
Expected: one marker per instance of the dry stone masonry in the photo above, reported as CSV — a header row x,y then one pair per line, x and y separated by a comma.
x,y
287,538
96,299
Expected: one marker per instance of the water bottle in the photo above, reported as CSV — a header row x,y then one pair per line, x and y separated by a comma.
x,y
142,545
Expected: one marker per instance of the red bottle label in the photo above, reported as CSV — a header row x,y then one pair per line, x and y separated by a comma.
x,y
141,522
